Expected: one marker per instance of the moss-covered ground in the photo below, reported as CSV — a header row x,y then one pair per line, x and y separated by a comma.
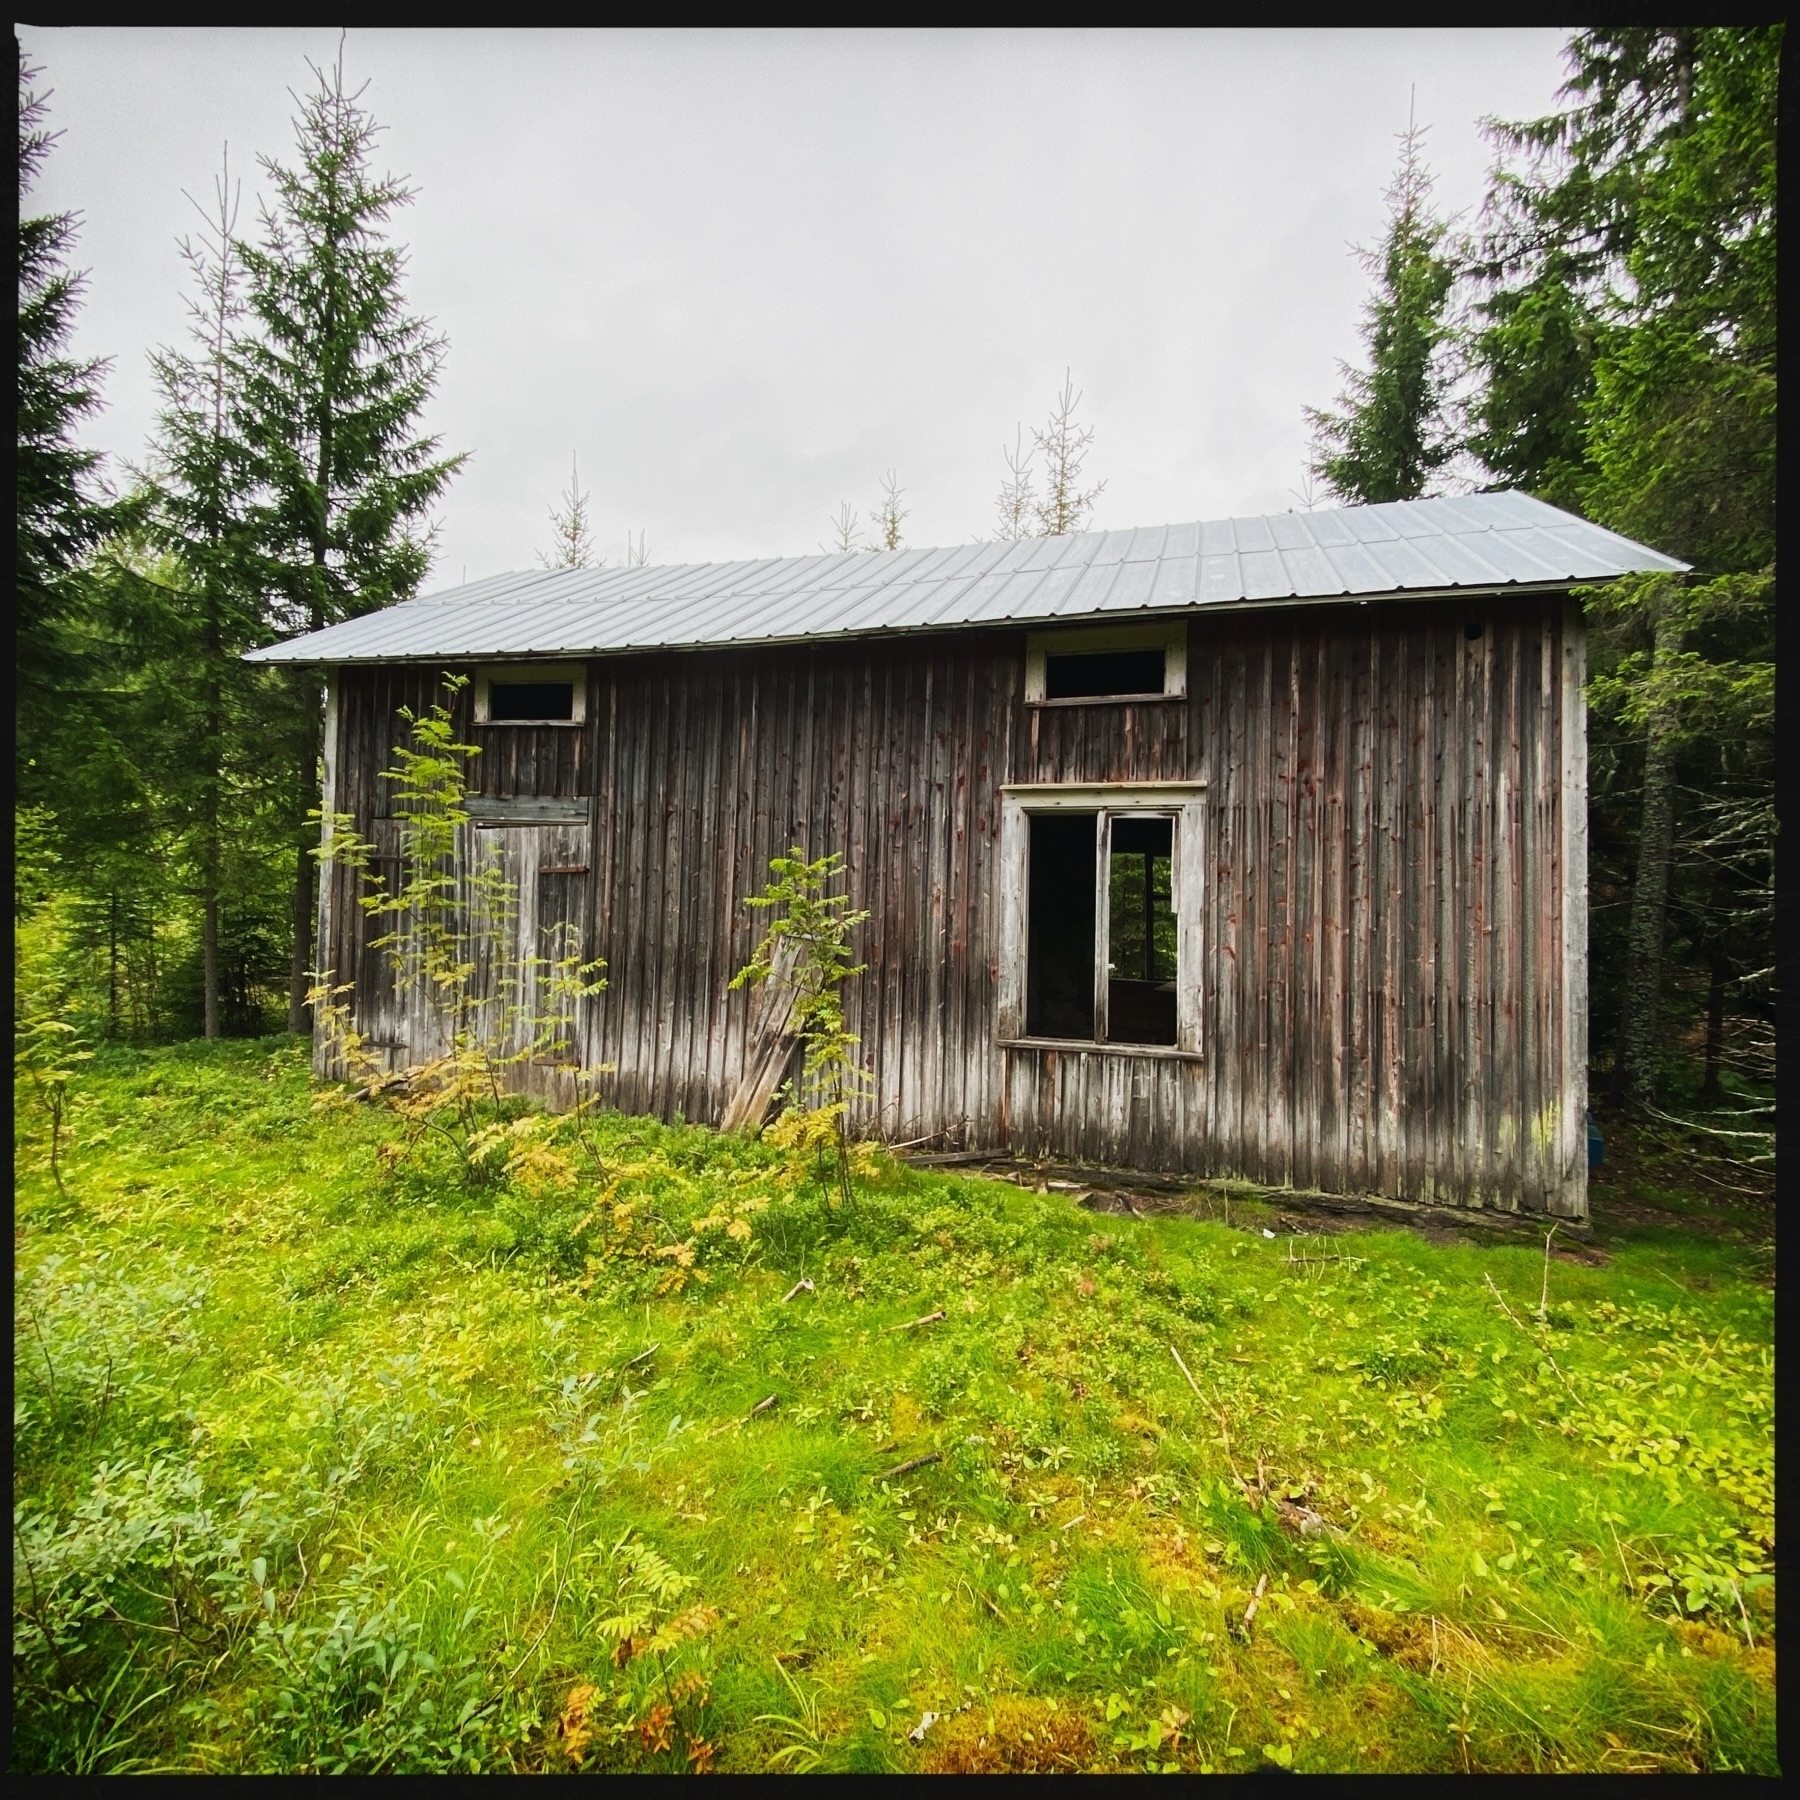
x,y
650,1459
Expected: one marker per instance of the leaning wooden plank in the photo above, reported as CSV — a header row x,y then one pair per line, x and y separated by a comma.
x,y
771,1046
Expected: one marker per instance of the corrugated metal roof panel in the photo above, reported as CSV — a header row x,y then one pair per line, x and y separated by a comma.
x,y
1177,576
1480,541
1309,570
1261,575
1131,592
1097,581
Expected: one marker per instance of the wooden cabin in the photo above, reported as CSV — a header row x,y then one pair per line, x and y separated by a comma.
x,y
1252,848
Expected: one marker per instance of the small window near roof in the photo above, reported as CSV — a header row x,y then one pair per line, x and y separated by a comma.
x,y
1099,663
551,694
551,700
1095,674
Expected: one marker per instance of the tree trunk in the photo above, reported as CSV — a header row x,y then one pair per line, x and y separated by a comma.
x,y
209,853
112,965
1715,1024
209,937
209,848
1633,1087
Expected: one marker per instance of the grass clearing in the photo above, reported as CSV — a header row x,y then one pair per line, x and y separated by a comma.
x,y
325,1462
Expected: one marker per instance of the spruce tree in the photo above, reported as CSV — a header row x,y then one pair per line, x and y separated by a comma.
x,y
1393,435
889,515
572,539
1533,351
332,380
1628,364
62,514
1064,505
207,610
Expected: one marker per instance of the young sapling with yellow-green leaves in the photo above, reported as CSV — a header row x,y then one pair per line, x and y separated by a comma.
x,y
809,939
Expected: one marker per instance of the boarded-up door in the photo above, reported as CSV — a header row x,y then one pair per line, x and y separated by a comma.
x,y
543,863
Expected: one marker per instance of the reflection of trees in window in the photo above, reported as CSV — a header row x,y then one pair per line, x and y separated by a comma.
x,y
1141,906
1140,940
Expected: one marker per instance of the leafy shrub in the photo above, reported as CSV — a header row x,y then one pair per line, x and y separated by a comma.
x,y
941,1376
91,1342
359,1692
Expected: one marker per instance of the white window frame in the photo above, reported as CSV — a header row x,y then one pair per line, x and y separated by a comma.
x,y
507,673
1182,801
1167,635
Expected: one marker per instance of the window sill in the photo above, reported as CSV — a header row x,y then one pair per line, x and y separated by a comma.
x,y
1113,700
532,724
1092,1047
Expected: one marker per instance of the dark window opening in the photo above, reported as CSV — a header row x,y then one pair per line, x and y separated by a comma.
x,y
1103,672
534,700
1059,966
1140,949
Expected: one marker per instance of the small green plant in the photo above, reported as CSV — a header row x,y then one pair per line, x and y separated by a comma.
x,y
652,1622
47,1045
804,1729
809,941
46,1052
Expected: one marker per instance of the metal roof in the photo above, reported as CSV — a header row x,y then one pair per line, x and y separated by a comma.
x,y
1478,542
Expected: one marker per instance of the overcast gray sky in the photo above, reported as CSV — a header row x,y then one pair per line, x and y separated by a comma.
x,y
744,273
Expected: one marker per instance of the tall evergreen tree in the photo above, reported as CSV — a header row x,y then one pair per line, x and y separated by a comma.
x,y
1393,435
1628,358
1533,350
333,380
62,514
196,623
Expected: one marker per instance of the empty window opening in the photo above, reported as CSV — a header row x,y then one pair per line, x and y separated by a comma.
x,y
1059,963
1102,672
1140,970
534,701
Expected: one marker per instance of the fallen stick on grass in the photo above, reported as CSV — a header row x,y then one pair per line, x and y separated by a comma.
x,y
1185,1370
1551,1360
912,1324
762,1406
1262,1582
1218,1413
906,1468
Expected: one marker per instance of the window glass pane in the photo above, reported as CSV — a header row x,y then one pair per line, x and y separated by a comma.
x,y
531,699
1103,672
1059,970
1140,1001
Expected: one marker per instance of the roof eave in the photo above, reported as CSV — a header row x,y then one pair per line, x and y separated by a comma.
x,y
1492,591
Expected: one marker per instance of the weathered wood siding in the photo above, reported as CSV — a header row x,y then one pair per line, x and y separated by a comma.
x,y
1392,991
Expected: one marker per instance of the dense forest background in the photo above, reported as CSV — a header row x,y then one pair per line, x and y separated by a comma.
x,y
1602,336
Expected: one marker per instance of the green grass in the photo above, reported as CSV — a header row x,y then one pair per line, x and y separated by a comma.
x,y
319,1467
